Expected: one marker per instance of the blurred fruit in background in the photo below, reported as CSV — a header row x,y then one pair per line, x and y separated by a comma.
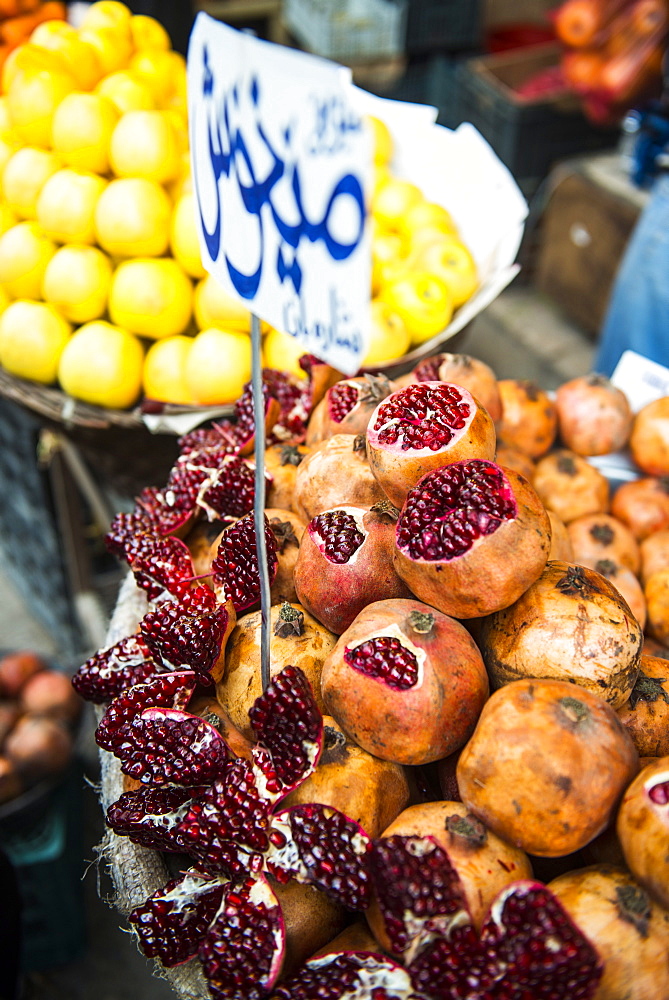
x,y
98,234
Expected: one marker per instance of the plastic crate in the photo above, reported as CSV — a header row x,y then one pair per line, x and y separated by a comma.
x,y
42,836
528,134
348,31
443,26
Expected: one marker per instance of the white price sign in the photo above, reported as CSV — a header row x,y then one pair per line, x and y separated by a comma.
x,y
281,162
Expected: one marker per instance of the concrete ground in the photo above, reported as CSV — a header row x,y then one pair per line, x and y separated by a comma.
x,y
520,335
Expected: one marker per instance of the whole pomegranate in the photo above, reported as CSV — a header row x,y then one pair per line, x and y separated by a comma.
x,y
643,505
649,439
570,486
471,538
38,746
297,639
405,681
561,547
484,862
603,536
50,692
370,791
311,920
281,463
16,668
546,766
570,625
646,713
529,417
336,472
642,827
654,553
624,580
347,407
628,929
346,562
288,529
513,458
464,370
422,427
594,415
656,592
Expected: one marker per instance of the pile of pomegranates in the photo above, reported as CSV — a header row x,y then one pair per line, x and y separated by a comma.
x,y
456,784
38,715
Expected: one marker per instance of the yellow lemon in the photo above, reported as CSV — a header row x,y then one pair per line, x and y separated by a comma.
x,y
79,56
7,149
213,306
5,120
113,48
4,300
382,140
102,364
66,205
107,14
280,350
161,71
218,365
32,98
24,254
7,217
81,131
183,237
451,261
165,370
126,92
388,254
145,144
76,281
422,301
152,297
23,177
32,338
389,338
148,33
426,215
29,57
392,199
132,218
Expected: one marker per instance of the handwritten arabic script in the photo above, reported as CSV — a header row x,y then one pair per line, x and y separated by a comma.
x,y
279,179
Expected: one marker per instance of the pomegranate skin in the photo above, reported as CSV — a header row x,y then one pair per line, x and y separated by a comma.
x,y
336,472
333,415
643,505
281,464
649,439
311,920
529,417
628,929
426,408
594,415
467,371
497,567
654,552
561,547
427,710
484,862
288,529
370,791
571,625
570,486
546,766
335,590
656,592
603,536
646,714
643,829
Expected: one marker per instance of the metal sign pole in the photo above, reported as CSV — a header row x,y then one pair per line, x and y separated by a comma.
x,y
259,501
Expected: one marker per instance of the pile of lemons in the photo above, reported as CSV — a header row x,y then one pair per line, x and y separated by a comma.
x,y
102,289
422,270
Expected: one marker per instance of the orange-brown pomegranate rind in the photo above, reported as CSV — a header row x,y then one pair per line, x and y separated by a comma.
x,y
546,766
642,826
495,571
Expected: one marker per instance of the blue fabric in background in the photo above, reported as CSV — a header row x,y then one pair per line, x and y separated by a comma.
x,y
637,317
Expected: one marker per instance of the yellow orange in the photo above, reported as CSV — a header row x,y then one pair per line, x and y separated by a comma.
x,y
144,144
184,241
422,301
165,370
112,47
102,364
389,337
132,218
450,260
24,254
218,365
67,204
23,177
79,56
76,281
161,71
33,336
151,296
213,306
280,350
126,92
32,98
148,33
392,199
81,131
107,14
